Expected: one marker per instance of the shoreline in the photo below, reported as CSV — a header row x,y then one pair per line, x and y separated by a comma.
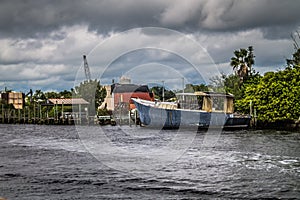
x,y
278,126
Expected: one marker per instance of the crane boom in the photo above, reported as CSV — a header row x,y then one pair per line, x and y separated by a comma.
x,y
86,68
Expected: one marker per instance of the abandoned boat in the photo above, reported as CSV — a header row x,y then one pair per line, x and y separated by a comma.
x,y
201,109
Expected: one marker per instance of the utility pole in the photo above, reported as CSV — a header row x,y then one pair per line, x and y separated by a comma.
x,y
2,106
163,91
182,84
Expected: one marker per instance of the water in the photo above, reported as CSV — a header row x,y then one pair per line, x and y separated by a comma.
x,y
53,162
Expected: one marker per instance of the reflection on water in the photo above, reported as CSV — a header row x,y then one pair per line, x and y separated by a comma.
x,y
52,162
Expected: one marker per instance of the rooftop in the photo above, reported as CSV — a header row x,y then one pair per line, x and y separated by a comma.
x,y
69,101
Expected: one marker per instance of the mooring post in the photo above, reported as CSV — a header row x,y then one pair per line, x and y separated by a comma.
x,y
87,115
28,115
251,108
41,114
19,116
255,116
24,114
62,112
129,118
56,111
7,113
14,116
2,113
34,112
120,114
79,107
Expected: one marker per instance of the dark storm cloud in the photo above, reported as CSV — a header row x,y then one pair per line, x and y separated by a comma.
x,y
276,19
33,18
258,13
42,41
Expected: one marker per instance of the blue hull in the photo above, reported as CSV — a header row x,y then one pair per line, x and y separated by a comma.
x,y
179,118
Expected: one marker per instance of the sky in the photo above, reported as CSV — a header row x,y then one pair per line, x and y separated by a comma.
x,y
170,42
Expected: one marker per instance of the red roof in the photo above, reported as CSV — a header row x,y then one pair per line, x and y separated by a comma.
x,y
68,101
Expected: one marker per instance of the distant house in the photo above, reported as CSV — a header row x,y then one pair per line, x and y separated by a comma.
x,y
108,102
120,94
17,99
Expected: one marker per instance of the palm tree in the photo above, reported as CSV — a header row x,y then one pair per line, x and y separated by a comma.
x,y
295,61
39,96
250,59
242,62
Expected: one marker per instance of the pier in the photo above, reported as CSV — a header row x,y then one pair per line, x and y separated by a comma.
x,y
53,112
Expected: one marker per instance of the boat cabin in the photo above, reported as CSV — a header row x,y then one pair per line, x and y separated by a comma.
x,y
206,101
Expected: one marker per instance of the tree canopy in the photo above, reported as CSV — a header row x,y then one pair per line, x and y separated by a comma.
x,y
92,92
158,91
276,95
242,62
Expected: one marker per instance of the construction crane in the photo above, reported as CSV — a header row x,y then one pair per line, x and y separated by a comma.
x,y
86,69
30,97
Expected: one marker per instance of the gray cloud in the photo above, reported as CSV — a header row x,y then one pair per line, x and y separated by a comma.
x,y
42,42
36,18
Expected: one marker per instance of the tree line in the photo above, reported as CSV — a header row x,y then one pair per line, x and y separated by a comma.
x,y
275,96
90,90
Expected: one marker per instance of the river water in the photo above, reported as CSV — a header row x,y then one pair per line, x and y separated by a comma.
x,y
57,162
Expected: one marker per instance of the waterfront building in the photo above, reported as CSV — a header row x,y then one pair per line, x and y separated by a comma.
x,y
17,99
120,94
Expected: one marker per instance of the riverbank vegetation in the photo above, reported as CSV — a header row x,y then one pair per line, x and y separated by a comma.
x,y
275,96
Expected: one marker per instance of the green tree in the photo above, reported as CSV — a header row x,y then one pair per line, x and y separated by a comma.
x,y
92,92
295,61
275,97
242,62
232,85
65,94
200,87
217,83
39,96
193,88
61,94
189,88
52,95
158,91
